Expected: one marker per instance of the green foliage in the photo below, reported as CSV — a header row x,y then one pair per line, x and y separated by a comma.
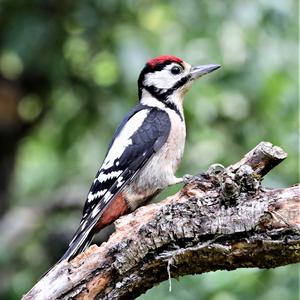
x,y
246,284
78,62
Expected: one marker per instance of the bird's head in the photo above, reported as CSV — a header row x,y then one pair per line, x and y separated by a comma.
x,y
167,78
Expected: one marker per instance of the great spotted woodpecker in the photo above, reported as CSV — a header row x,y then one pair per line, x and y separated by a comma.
x,y
145,150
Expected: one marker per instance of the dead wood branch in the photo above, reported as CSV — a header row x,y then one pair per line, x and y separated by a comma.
x,y
216,222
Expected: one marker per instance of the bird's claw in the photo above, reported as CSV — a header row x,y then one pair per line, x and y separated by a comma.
x,y
187,178
215,169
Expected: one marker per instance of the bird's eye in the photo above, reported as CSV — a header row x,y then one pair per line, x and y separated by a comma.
x,y
175,70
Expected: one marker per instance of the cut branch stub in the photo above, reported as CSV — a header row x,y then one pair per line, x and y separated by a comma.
x,y
263,158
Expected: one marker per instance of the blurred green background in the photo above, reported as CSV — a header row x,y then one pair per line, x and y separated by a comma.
x,y
68,72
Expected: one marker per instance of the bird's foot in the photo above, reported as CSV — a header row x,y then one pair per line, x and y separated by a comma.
x,y
215,169
212,171
187,178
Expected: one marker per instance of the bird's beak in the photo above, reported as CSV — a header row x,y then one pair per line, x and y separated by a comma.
x,y
198,71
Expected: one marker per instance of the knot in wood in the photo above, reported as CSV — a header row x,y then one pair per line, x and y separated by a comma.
x,y
229,190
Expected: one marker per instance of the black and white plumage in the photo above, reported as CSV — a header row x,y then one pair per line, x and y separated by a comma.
x,y
145,151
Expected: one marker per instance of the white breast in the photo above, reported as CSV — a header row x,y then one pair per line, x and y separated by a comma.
x,y
160,170
172,151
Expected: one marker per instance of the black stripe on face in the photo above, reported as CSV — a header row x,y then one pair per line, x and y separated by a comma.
x,y
162,95
177,85
172,106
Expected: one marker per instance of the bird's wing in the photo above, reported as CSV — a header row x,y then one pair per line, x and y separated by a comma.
x,y
141,135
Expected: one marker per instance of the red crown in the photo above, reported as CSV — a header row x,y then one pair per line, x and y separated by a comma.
x,y
163,58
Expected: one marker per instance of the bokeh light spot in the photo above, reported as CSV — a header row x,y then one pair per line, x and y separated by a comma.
x,y
30,108
76,51
104,69
11,65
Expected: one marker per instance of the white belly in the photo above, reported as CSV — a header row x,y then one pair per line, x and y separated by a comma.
x,y
159,172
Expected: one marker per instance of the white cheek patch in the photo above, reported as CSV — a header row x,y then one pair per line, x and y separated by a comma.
x,y
161,79
123,140
164,79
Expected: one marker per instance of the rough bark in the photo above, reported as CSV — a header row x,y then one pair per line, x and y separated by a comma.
x,y
216,222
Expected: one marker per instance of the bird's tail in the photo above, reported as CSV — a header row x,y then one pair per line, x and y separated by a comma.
x,y
81,240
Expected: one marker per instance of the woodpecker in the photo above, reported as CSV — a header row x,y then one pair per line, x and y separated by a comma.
x,y
145,150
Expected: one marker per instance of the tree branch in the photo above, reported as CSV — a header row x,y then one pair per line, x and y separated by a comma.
x,y
216,222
